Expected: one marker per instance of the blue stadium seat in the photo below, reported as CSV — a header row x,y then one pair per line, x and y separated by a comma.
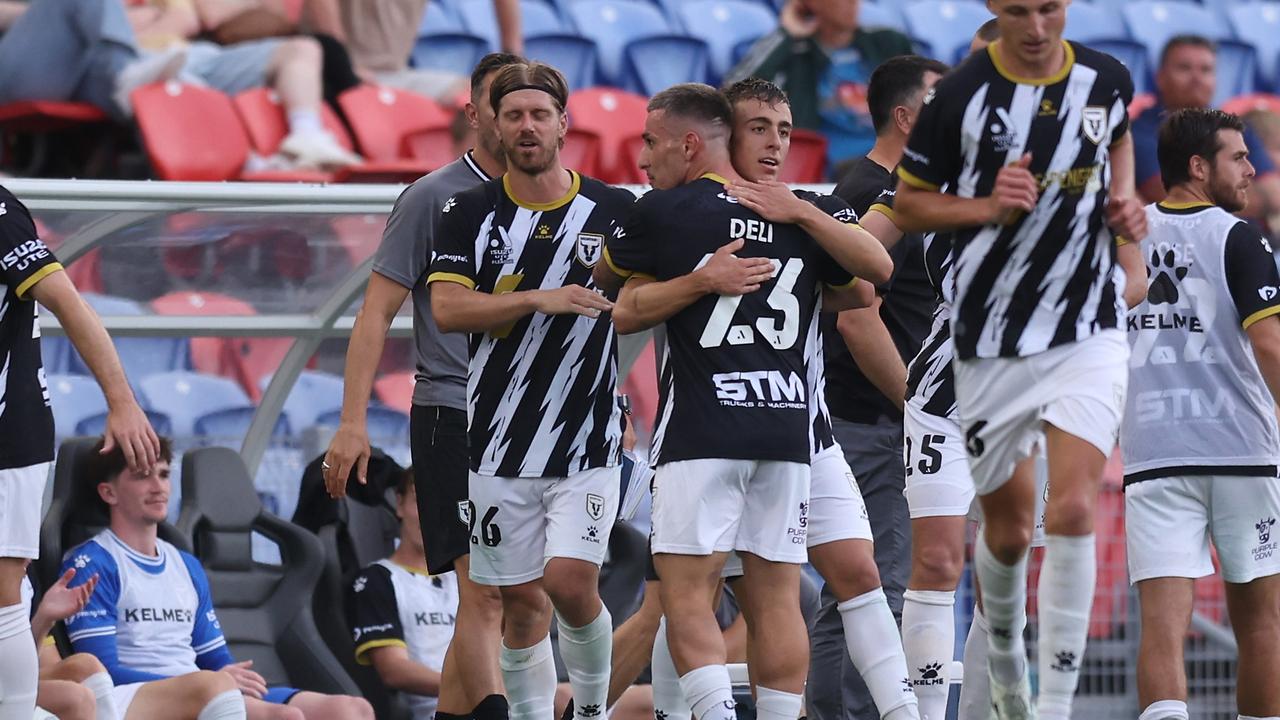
x,y
185,396
1132,55
722,24
1153,22
1087,22
656,63
880,15
675,10
613,24
141,356
946,25
55,354
313,394
388,429
1237,71
228,426
574,55
457,53
536,18
74,398
1258,24
96,424
438,18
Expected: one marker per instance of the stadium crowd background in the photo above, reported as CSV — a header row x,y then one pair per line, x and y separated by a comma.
x,y
202,390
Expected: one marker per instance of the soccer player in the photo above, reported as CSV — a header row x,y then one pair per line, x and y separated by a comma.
x,y
513,268
1200,442
30,274
470,684
1032,139
732,445
151,621
402,615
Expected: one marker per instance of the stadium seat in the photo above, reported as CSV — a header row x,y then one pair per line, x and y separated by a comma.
x,y
616,117
395,390
872,15
581,152
55,354
264,610
75,513
722,24
185,396
1237,71
1249,103
653,64
947,26
41,116
74,398
141,356
536,18
614,24
1153,22
387,427
1132,55
382,117
1141,102
312,394
454,52
193,133
439,18
1087,22
228,427
1258,24
807,160
94,425
575,56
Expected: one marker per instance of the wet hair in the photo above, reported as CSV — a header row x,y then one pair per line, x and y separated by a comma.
x,y
489,63
529,75
694,101
897,81
1186,40
1188,133
754,88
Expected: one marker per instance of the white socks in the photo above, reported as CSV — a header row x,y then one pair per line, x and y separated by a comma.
x,y
709,693
875,647
1004,601
668,699
105,702
777,705
929,639
1167,710
228,705
19,665
975,691
530,678
587,652
1066,597
305,122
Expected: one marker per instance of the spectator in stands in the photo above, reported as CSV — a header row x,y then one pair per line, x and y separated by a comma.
x,y
1186,79
823,59
380,35
96,51
151,619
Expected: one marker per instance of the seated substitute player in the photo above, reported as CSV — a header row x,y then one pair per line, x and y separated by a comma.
x,y
30,274
513,268
151,620
1032,139
1200,442
732,452
401,616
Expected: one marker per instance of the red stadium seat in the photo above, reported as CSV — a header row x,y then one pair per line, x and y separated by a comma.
x,y
432,147
193,133
615,116
39,116
383,117
581,152
808,158
395,391
1248,103
1140,104
632,173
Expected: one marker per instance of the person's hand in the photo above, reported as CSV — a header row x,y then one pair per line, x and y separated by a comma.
x,y
797,20
728,274
1127,218
249,682
571,300
348,449
769,199
1016,192
61,602
128,427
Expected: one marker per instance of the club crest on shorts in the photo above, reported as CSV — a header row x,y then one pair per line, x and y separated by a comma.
x,y
595,506
1093,121
589,247
464,512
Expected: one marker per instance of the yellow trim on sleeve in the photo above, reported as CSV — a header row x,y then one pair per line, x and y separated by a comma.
x,y
37,276
620,272
574,187
884,210
453,278
1262,314
1070,60
644,276
847,286
914,181
374,645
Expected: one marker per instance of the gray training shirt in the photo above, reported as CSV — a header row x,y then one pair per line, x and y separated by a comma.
x,y
405,256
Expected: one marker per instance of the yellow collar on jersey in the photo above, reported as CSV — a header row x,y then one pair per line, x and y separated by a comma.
x,y
717,178
549,206
1057,77
1183,205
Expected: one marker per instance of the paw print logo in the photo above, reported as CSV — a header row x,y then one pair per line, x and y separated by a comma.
x,y
590,711
449,205
1065,661
593,532
359,584
81,561
1166,274
659,715
930,671
906,685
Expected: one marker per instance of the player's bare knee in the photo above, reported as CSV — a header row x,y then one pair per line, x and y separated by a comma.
x,y
482,603
1008,541
79,666
208,684
74,702
300,50
936,566
1069,515
526,610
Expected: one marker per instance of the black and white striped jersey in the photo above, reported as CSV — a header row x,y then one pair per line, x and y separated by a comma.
x,y
540,393
930,380
1048,278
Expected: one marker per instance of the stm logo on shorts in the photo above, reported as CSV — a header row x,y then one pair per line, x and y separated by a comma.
x,y
760,389
464,512
595,506
1265,548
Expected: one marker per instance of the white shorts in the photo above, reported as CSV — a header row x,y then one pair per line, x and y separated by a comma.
x,y
21,495
1005,403
836,509
123,695
518,524
1170,521
717,505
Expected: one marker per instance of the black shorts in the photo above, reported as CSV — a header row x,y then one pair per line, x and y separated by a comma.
x,y
438,442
